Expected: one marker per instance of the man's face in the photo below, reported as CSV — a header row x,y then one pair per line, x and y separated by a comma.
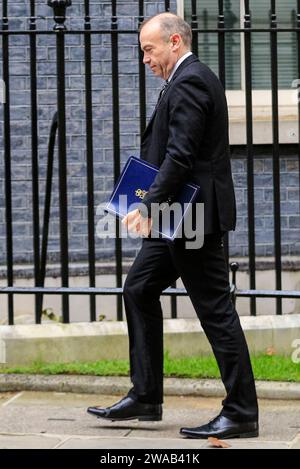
x,y
159,55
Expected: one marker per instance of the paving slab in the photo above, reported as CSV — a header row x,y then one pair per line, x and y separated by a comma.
x,y
59,420
18,441
295,443
132,443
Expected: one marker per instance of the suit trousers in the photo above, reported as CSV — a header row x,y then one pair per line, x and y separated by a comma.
x,y
204,273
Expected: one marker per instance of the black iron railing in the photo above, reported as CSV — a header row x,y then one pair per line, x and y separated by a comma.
x,y
59,126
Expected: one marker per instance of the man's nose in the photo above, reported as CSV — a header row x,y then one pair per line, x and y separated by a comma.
x,y
146,59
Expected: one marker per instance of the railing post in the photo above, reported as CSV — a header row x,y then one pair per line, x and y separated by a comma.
x,y
35,163
276,153
59,7
194,25
142,79
298,70
250,154
234,266
221,44
89,153
116,143
7,162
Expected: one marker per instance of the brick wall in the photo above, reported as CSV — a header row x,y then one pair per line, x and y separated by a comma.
x,y
103,136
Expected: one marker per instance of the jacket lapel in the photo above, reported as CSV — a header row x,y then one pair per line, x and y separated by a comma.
x,y
192,58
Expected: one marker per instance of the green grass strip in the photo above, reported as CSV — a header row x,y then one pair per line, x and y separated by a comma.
x,y
270,368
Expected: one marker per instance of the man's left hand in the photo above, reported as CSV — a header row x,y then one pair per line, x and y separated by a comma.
x,y
137,224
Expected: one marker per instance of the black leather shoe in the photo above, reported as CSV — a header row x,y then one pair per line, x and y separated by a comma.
x,y
128,409
222,427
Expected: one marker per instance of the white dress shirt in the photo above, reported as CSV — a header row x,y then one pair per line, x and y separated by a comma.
x,y
185,56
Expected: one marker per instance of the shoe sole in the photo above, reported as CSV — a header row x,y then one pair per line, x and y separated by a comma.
x,y
141,418
253,434
145,418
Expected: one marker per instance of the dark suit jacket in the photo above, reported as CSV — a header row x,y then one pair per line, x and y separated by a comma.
x,y
187,137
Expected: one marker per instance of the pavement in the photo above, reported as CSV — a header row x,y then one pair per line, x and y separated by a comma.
x,y
58,420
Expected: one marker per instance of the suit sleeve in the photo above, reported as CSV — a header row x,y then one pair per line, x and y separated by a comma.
x,y
189,107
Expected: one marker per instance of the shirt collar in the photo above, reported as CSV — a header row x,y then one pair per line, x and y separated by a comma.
x,y
185,56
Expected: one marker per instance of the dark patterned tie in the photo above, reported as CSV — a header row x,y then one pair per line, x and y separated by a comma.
x,y
165,85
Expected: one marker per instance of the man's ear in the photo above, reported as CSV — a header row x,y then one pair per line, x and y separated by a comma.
x,y
176,40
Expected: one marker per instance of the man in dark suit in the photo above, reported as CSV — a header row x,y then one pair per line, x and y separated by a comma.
x,y
187,137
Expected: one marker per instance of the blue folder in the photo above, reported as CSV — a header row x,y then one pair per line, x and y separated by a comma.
x,y
134,181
